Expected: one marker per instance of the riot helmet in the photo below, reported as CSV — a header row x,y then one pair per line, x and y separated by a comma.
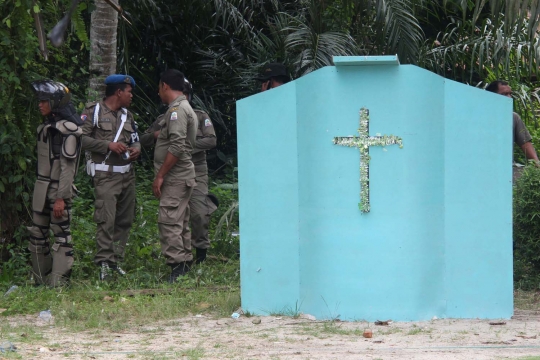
x,y
188,89
56,93
59,99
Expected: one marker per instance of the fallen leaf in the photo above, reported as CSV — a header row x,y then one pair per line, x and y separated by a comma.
x,y
497,323
383,322
378,342
108,298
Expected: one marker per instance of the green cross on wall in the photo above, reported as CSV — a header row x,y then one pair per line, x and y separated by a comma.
x,y
363,142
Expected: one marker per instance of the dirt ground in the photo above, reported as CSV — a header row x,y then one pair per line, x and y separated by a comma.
x,y
203,337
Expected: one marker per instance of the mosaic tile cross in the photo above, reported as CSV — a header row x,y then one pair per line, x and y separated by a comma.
x,y
363,142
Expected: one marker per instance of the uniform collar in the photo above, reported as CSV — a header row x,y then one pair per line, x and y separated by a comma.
x,y
107,110
177,100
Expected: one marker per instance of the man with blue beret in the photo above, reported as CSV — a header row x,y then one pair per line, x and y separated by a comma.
x,y
112,144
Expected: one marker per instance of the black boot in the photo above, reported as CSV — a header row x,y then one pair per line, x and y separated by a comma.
x,y
177,270
200,255
117,269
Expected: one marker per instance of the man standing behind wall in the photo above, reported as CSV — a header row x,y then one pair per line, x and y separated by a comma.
x,y
273,75
175,173
521,135
110,134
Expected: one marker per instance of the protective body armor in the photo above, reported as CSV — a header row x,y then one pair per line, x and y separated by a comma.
x,y
55,139
51,265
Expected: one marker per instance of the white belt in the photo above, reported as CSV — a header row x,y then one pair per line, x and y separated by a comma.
x,y
116,169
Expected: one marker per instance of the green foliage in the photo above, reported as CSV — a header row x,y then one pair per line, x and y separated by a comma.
x,y
527,229
21,63
87,304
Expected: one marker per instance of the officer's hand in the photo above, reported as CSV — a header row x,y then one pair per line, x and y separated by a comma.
x,y
117,147
156,186
156,134
58,208
134,153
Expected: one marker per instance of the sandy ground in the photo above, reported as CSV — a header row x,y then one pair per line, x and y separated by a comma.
x,y
202,337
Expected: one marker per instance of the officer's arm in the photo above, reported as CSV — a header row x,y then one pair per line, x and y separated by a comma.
x,y
148,139
177,132
530,153
68,165
205,143
88,142
208,139
67,175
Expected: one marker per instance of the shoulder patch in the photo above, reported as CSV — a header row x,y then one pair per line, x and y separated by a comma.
x,y
207,122
174,115
84,117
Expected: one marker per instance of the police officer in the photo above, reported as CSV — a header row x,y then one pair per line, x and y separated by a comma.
x,y
58,148
200,205
175,173
110,136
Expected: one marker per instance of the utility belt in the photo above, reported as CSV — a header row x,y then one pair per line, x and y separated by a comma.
x,y
92,167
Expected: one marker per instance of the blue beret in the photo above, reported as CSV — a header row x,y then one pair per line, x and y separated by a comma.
x,y
119,79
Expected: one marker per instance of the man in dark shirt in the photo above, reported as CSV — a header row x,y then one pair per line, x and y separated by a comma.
x,y
521,136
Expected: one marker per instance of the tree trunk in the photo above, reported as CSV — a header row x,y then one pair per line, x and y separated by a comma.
x,y
103,30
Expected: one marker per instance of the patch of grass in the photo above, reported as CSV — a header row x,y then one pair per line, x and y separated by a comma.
x,y
116,306
193,354
289,311
391,330
529,358
332,327
527,300
417,330
19,333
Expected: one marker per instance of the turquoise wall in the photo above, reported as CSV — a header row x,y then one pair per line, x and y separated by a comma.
x,y
437,241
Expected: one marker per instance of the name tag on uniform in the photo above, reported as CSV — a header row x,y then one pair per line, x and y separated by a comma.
x,y
207,122
174,115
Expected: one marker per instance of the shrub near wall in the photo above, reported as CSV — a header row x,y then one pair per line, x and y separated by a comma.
x,y
527,229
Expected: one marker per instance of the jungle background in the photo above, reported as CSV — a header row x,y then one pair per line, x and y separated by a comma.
x,y
221,46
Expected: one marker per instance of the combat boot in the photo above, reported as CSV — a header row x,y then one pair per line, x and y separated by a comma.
x,y
178,270
104,271
200,255
117,269
41,263
62,256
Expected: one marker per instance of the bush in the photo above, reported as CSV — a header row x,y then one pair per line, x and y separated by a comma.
x,y
527,229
